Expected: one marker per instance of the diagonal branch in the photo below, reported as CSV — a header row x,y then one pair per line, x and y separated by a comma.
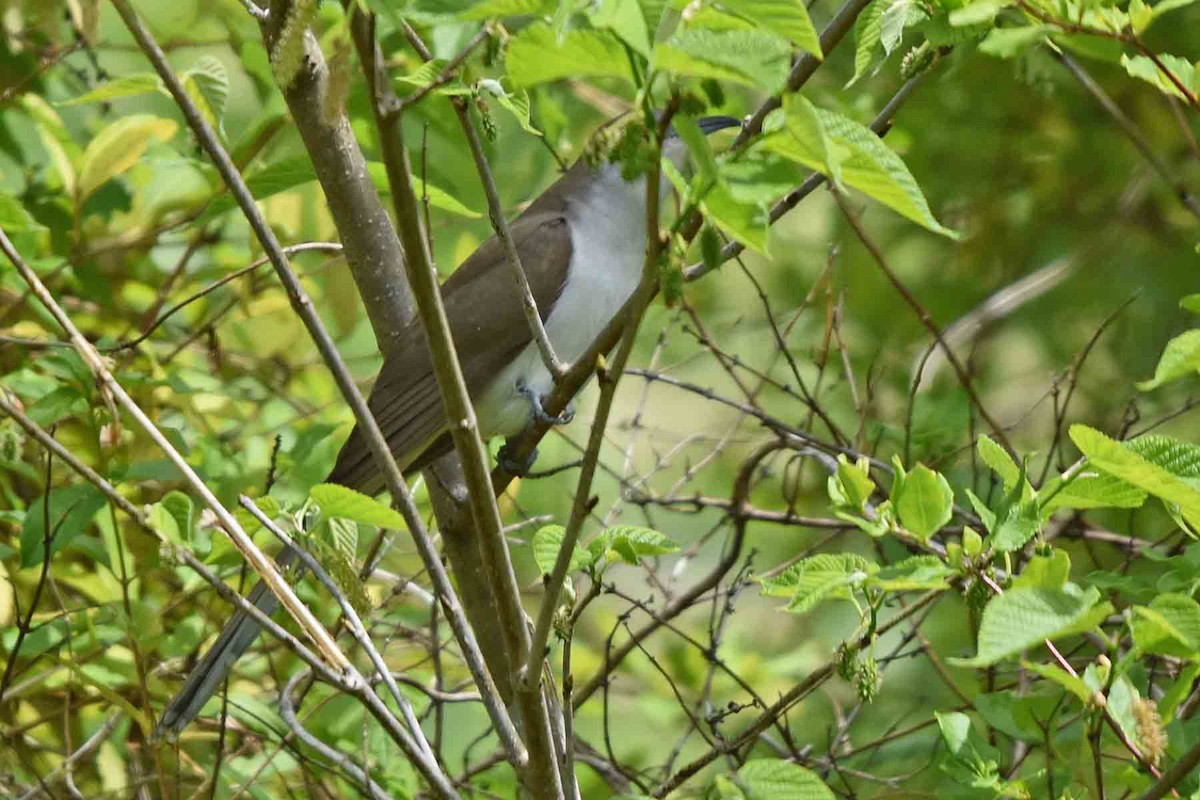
x,y
303,306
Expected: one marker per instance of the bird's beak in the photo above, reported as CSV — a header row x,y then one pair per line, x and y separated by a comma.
x,y
713,124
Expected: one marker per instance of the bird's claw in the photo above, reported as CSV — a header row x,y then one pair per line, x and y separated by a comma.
x,y
506,461
539,411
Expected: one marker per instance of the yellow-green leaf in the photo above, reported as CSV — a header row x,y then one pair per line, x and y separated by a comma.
x,y
117,148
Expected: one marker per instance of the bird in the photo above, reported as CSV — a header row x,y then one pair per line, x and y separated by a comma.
x,y
582,244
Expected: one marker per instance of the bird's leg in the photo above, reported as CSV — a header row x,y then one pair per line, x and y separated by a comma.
x,y
506,462
539,411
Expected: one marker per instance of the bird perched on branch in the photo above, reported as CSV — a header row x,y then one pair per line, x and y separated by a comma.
x,y
582,245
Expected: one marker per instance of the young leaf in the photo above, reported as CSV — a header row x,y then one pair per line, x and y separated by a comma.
x,y
1180,359
207,84
751,57
1056,674
1019,523
818,578
914,572
1023,617
71,511
537,55
850,486
1090,490
632,542
338,501
117,148
748,223
127,86
868,166
782,780
1143,68
1169,626
924,502
867,29
1012,42
1000,462
978,11
1120,460
787,18
546,544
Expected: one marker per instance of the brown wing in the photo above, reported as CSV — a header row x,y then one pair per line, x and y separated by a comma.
x,y
489,329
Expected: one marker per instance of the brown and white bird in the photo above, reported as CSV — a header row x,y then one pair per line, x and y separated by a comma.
x,y
582,243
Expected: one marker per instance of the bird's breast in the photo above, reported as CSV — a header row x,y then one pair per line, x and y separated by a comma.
x,y
608,236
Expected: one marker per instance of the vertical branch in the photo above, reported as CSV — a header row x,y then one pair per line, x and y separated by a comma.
x,y
303,306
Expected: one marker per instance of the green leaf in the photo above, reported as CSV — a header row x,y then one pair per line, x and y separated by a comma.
x,y
546,544
207,84
343,537
1143,68
898,15
632,542
626,20
1025,616
746,222
1018,523
913,573
1012,42
1056,674
1169,626
850,486
181,509
1122,461
869,166
698,147
338,501
822,577
751,57
516,103
771,779
1180,690
803,122
117,148
867,30
488,9
537,55
786,18
1180,359
71,511
1191,302
127,86
1000,462
978,11
1090,490
1178,458
924,501
1045,572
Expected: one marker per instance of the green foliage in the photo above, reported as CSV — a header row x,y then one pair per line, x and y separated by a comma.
x,y
338,501
781,780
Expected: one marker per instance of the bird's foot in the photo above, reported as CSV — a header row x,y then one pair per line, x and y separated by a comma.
x,y
506,461
539,411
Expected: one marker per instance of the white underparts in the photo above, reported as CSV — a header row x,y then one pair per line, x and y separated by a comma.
x,y
608,236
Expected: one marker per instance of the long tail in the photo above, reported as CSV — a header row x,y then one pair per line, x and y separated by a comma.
x,y
237,636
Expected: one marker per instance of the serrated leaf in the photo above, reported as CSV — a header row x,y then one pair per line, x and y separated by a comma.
x,y
117,148
822,577
1143,68
546,544
343,537
1180,690
913,573
1122,461
898,15
537,55
207,84
127,86
339,501
633,542
924,501
1169,626
1023,617
516,103
867,30
1091,490
869,166
750,57
771,779
999,461
786,18
1180,359
1019,523
850,486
